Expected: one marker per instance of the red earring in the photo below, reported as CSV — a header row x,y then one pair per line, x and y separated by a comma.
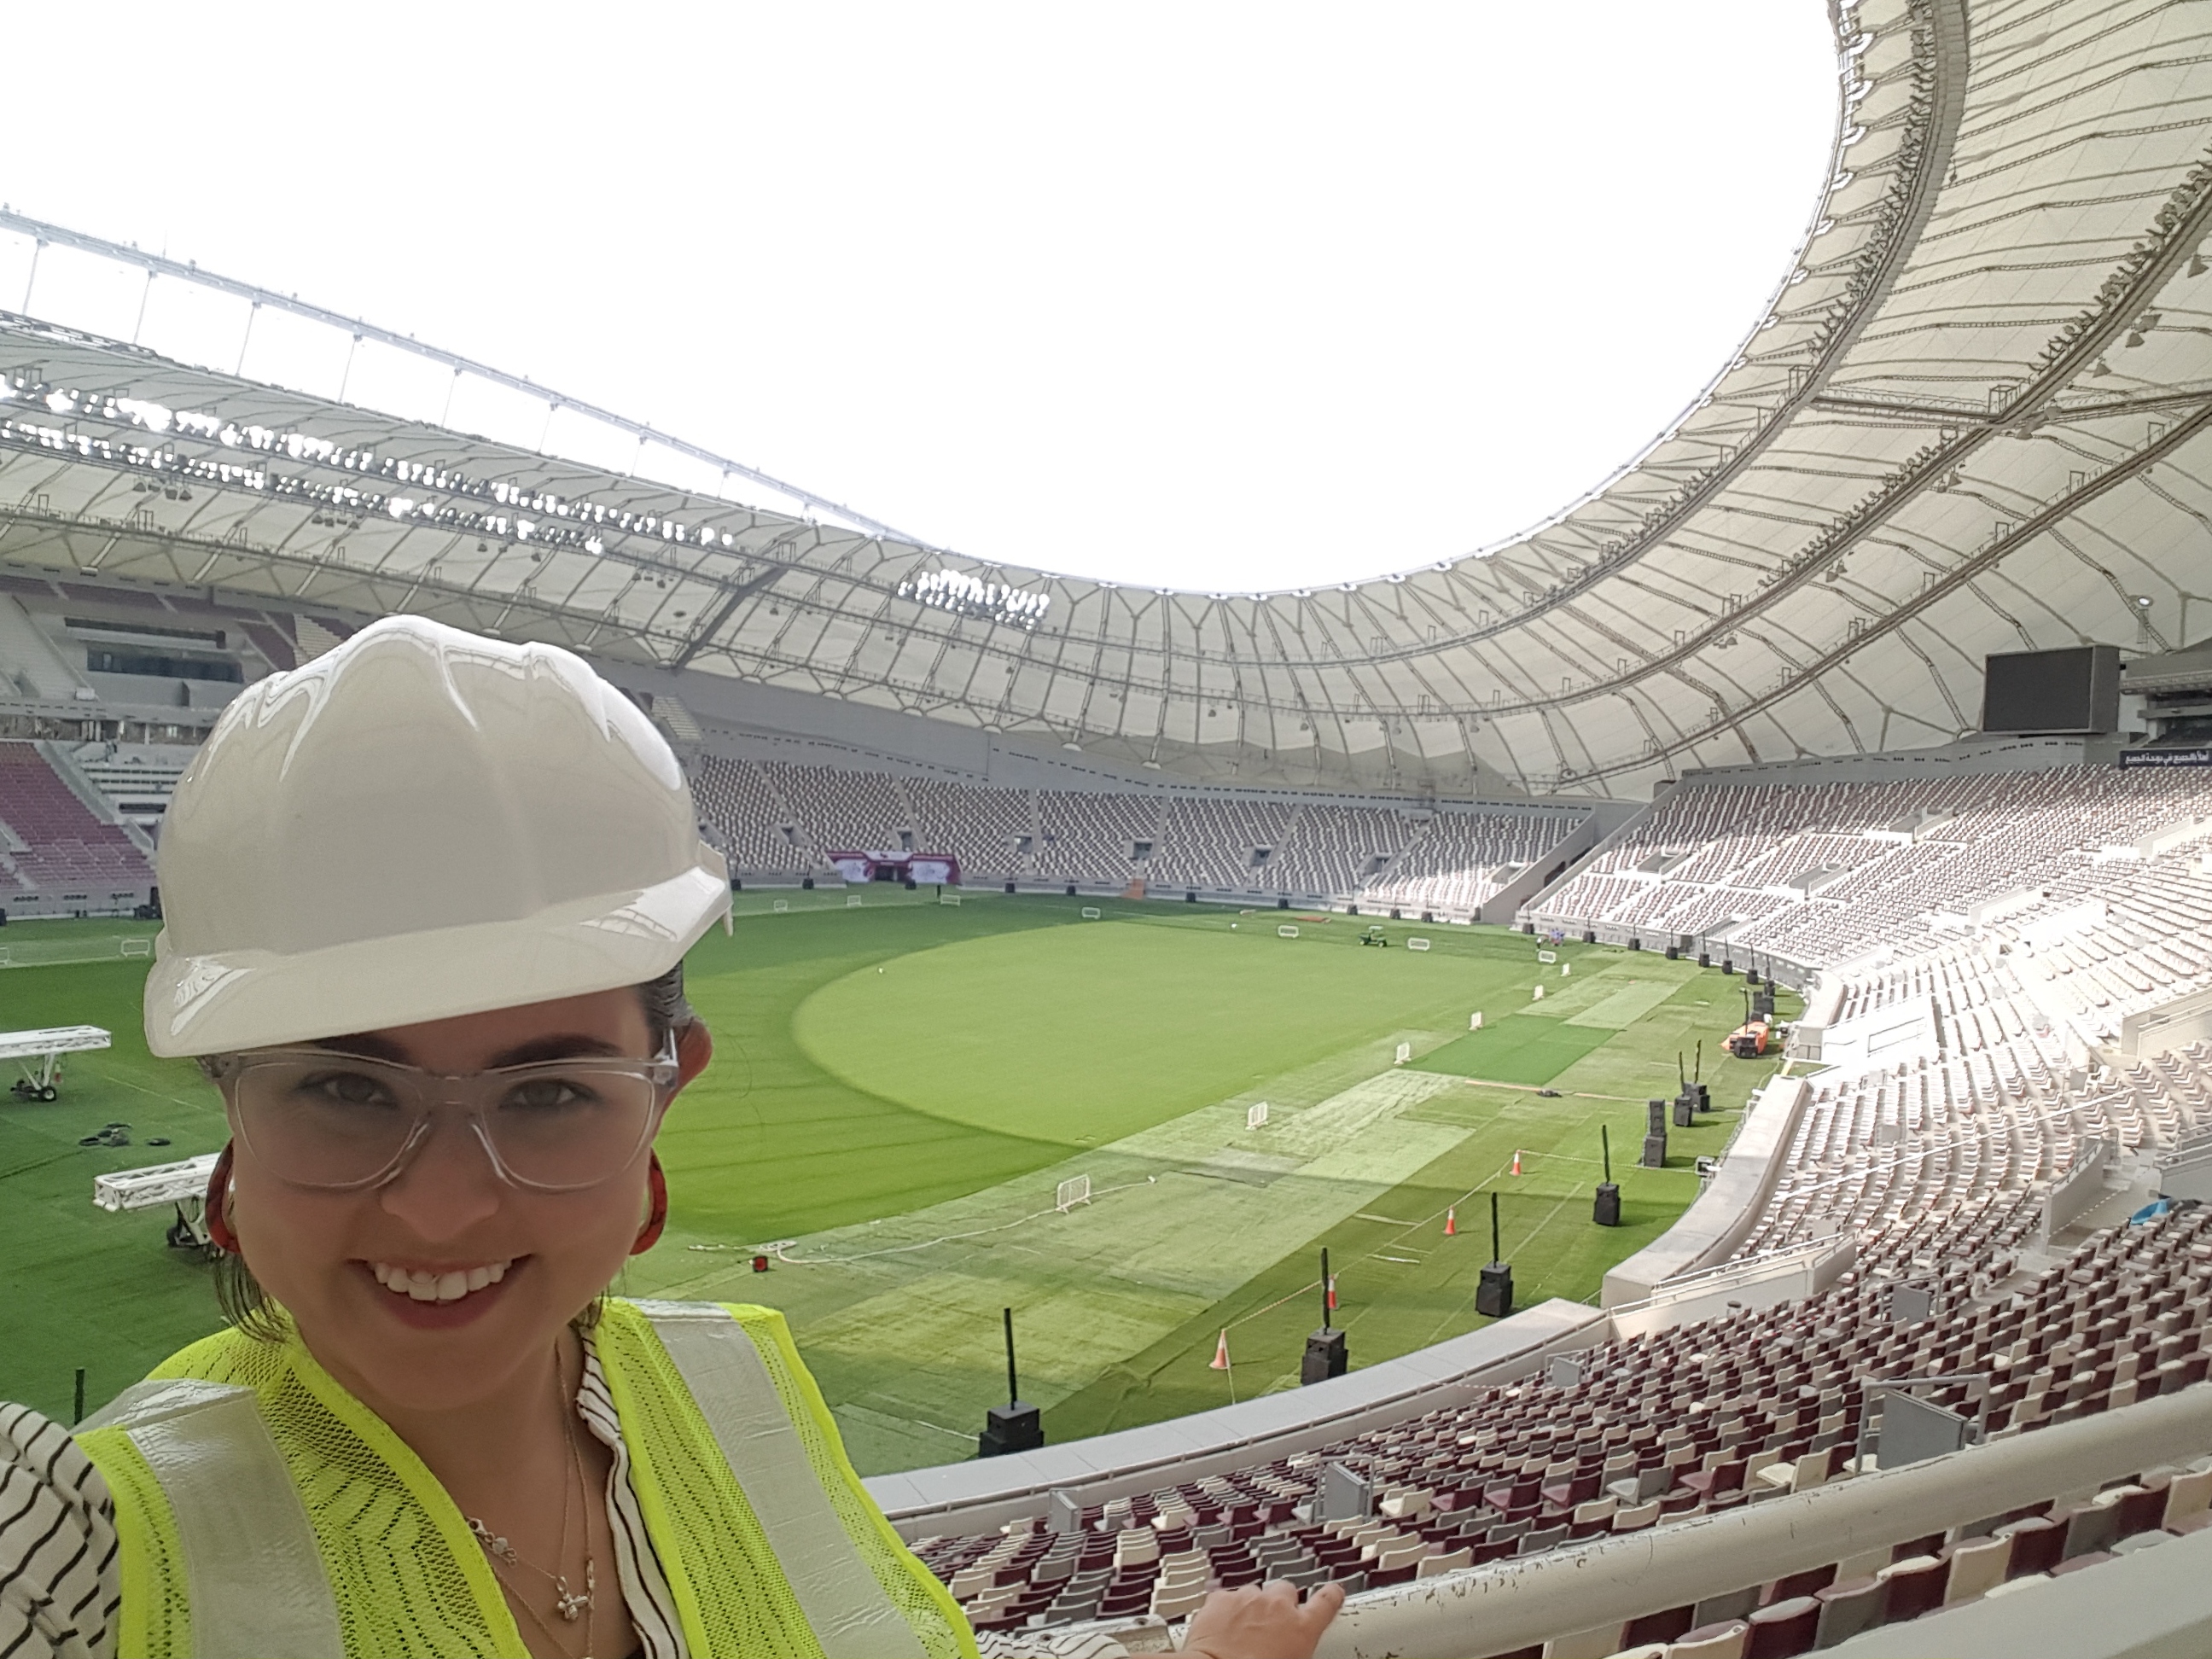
x,y
218,1198
650,1234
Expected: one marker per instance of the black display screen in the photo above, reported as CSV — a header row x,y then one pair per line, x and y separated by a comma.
x,y
2076,689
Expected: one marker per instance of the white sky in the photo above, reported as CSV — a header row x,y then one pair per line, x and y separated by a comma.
x,y
1230,297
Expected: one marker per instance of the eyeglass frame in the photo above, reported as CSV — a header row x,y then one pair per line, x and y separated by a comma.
x,y
663,1072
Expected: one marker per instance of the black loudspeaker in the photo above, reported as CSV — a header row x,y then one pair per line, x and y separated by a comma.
x,y
1493,1296
1673,953
1071,889
1762,1006
1327,1355
1527,927
807,882
1282,905
1010,887
1686,1107
1606,1211
1015,1428
1704,1094
1704,958
1590,935
1654,1153
737,884
1636,944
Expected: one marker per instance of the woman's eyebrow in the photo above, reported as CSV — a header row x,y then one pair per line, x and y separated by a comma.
x,y
366,1045
565,1046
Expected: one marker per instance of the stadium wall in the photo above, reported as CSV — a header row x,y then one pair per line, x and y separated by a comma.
x,y
796,726
1716,1222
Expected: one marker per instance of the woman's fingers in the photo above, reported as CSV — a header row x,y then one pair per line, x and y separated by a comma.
x,y
1320,1608
1262,1622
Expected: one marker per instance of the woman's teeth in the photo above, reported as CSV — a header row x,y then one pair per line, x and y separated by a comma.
x,y
449,1287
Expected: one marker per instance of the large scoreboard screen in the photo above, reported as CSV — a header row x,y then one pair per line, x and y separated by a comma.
x,y
2073,690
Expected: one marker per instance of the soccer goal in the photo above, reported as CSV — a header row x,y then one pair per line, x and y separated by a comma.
x,y
1547,956
1255,1116
1405,1052
1091,912
782,907
1286,931
851,901
1417,945
1071,1193
948,898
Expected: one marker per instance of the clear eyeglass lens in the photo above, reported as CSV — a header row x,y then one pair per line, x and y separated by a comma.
x,y
337,1122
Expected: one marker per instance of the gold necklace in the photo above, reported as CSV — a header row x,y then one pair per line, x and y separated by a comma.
x,y
571,1605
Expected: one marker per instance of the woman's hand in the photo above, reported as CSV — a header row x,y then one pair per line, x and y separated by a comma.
x,y
1262,1622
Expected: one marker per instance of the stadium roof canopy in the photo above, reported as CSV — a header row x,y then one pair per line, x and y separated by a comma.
x,y
1974,419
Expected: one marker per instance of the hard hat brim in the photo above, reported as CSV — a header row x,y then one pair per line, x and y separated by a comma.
x,y
237,999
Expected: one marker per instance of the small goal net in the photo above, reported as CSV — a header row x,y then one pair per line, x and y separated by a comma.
x,y
1072,1193
1255,1116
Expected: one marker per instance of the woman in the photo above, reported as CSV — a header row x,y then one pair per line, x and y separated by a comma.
x,y
429,899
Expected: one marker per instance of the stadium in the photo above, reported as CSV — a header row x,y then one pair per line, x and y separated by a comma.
x,y
1643,1091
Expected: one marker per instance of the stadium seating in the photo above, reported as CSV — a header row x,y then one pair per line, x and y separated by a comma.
x,y
780,819
1666,1427
750,820
1460,860
54,849
1827,874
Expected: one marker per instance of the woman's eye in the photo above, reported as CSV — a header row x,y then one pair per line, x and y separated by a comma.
x,y
545,1094
346,1089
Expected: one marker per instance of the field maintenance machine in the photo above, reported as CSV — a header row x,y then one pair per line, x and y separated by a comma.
x,y
1376,936
1749,1040
39,1056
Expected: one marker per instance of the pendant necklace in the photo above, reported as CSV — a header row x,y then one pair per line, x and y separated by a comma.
x,y
570,1605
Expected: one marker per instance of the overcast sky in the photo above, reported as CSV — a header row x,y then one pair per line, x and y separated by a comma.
x,y
1214,296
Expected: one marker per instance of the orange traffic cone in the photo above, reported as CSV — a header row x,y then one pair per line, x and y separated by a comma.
x,y
1517,1160
1221,1353
1451,1221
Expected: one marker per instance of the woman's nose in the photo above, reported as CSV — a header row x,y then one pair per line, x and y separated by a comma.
x,y
447,1187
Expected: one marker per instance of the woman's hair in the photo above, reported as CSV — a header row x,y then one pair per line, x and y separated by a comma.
x,y
247,1307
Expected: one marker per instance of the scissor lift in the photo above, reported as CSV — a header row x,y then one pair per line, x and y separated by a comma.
x,y
38,1054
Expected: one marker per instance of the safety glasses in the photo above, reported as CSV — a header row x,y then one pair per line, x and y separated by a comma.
x,y
339,1123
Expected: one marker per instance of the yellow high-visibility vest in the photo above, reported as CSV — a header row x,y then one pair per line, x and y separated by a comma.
x,y
261,1510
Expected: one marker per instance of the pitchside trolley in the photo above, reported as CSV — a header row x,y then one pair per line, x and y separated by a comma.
x,y
184,1184
38,1054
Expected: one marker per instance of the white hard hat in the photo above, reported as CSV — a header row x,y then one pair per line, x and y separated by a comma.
x,y
418,824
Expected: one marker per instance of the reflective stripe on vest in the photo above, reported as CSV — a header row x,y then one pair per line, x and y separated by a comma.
x,y
253,1571
848,1608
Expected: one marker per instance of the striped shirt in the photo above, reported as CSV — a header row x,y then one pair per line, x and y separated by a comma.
x,y
60,1584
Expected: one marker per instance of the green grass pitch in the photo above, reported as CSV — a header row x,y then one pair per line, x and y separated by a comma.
x,y
900,1087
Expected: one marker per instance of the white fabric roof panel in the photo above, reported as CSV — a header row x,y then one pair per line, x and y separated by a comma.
x,y
1972,421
